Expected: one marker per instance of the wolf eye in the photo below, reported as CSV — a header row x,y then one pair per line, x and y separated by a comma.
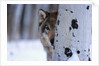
x,y
46,27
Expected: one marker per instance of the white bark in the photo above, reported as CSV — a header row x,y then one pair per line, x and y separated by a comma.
x,y
73,32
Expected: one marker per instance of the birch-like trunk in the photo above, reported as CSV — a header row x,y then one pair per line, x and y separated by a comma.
x,y
16,19
26,21
73,35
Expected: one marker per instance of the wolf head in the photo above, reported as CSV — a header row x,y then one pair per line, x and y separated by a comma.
x,y
47,26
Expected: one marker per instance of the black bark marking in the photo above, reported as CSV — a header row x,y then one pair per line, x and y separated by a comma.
x,y
89,59
63,47
66,9
88,49
71,11
56,34
84,50
73,35
56,40
74,24
70,28
78,52
87,7
58,54
58,22
78,41
68,52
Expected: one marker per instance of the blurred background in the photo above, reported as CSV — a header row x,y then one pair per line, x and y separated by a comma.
x,y
23,43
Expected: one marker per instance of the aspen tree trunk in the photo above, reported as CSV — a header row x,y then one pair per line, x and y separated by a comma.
x,y
10,12
26,21
73,35
16,19
32,32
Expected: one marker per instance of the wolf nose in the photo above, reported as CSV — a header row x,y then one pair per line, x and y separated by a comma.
x,y
52,41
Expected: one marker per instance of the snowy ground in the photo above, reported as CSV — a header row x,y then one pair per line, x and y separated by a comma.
x,y
29,50
25,50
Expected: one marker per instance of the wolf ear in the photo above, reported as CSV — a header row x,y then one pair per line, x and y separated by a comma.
x,y
42,15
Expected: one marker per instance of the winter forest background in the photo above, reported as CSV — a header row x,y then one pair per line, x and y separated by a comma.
x,y
22,31
22,20
23,43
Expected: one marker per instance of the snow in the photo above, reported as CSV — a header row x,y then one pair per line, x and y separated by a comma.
x,y
25,50
31,50
74,57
